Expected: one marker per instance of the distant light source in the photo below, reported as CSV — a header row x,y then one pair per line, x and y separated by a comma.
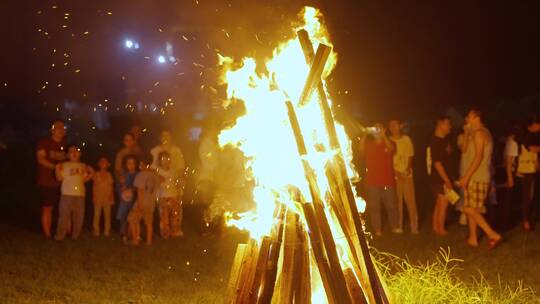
x,y
161,59
130,44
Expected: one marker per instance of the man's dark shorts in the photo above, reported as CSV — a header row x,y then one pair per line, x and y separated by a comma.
x,y
437,189
49,196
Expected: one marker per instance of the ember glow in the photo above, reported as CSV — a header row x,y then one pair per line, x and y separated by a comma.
x,y
283,175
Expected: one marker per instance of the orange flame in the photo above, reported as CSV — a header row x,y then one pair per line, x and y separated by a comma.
x,y
264,134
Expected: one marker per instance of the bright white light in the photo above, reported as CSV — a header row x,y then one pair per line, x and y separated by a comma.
x,y
129,44
161,59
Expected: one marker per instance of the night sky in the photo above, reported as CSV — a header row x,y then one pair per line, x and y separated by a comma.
x,y
402,58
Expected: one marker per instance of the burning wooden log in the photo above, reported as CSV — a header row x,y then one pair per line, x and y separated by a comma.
x,y
315,73
331,253
269,281
253,274
294,240
319,255
234,276
260,268
333,279
302,287
340,172
243,273
354,287
285,292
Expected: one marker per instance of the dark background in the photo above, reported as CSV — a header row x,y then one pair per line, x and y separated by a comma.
x,y
409,57
412,59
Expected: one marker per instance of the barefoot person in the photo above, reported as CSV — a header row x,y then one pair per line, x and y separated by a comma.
x,y
50,151
439,152
476,177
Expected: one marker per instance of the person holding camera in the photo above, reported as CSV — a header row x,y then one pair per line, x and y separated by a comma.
x,y
378,152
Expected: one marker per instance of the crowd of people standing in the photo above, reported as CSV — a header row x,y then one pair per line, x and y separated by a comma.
x,y
388,154
137,182
141,181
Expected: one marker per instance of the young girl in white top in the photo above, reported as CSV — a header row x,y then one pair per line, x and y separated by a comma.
x,y
73,174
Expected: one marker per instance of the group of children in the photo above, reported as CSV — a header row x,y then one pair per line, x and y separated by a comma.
x,y
139,187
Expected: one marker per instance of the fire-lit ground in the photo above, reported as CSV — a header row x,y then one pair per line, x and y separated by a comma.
x,y
33,270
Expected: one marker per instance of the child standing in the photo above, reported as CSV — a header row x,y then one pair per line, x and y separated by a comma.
x,y
103,197
126,192
73,174
147,184
170,198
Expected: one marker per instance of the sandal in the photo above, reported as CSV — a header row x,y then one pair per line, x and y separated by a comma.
x,y
492,243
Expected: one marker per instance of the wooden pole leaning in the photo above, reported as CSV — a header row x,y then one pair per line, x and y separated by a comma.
x,y
377,290
269,281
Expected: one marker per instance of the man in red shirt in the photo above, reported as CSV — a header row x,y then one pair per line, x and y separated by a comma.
x,y
378,152
50,151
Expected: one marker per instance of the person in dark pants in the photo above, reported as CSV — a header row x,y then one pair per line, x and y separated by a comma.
x,y
506,178
529,146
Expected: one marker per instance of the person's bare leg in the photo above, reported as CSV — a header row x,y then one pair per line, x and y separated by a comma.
x,y
149,232
410,201
46,220
436,216
473,236
481,221
107,219
441,215
96,219
400,188
134,231
131,231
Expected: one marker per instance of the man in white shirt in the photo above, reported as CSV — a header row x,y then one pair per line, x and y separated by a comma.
x,y
404,175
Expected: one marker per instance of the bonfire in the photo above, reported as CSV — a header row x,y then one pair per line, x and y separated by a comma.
x,y
307,239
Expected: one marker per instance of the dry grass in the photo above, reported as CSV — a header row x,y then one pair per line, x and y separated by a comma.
x,y
437,282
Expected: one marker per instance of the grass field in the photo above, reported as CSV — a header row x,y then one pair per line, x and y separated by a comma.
x,y
516,259
195,269
89,270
